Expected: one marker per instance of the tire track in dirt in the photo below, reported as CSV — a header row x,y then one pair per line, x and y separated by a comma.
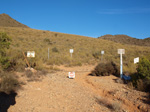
x,y
109,95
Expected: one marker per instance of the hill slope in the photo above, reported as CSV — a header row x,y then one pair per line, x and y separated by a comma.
x,y
7,21
86,50
124,39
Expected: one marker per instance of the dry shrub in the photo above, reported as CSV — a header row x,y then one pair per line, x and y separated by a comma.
x,y
143,85
42,72
34,75
105,69
29,73
130,85
8,83
114,106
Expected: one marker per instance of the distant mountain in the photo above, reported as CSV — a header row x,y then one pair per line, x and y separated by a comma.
x,y
124,39
7,21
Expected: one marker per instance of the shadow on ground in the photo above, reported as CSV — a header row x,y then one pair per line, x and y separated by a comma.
x,y
6,100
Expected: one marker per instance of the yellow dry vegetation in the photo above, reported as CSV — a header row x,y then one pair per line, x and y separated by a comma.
x,y
87,50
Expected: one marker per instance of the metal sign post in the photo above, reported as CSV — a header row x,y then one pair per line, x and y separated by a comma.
x,y
136,60
31,54
102,52
121,51
71,51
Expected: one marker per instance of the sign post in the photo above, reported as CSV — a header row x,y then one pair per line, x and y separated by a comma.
x,y
102,52
136,60
31,54
71,51
48,53
121,51
26,59
71,75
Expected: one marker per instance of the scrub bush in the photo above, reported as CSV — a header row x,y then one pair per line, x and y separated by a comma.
x,y
4,44
105,69
144,69
141,79
8,83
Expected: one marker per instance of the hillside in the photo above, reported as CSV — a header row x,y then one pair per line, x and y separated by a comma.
x,y
86,50
124,39
47,87
7,21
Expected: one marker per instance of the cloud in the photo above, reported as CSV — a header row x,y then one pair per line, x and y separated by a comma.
x,y
125,11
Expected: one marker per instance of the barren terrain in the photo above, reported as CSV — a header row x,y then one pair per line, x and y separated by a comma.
x,y
55,92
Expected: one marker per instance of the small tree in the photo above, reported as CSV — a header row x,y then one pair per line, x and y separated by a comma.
x,y
4,44
142,80
144,69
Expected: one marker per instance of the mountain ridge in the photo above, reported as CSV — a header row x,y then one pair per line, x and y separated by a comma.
x,y
125,39
7,21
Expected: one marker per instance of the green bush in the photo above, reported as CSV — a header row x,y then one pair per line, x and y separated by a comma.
x,y
4,44
5,63
141,79
105,69
55,49
144,69
48,41
97,55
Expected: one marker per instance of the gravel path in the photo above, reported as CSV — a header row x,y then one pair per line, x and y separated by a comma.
x,y
57,93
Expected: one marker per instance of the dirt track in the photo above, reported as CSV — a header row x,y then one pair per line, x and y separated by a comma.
x,y
56,93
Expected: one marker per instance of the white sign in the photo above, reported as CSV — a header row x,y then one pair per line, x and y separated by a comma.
x,y
136,60
121,51
102,52
71,50
30,54
71,75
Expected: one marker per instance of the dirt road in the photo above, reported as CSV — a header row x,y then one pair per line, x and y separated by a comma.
x,y
57,93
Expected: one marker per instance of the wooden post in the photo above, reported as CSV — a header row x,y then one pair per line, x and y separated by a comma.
x,y
26,59
48,53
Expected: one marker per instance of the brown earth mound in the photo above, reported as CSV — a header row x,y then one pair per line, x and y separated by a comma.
x,y
7,21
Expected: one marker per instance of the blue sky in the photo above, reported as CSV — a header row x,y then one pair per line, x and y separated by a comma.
x,y
91,18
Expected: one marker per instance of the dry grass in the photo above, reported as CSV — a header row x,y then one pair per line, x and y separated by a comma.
x,y
26,39
8,83
113,106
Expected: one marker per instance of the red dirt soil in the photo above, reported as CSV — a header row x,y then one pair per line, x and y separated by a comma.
x,y
57,93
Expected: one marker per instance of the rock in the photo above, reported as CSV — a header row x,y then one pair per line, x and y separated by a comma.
x,y
31,69
142,107
119,81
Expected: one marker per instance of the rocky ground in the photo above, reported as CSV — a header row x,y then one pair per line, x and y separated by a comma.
x,y
55,92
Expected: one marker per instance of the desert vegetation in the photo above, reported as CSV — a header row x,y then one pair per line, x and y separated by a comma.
x,y
26,39
141,78
106,69
8,83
